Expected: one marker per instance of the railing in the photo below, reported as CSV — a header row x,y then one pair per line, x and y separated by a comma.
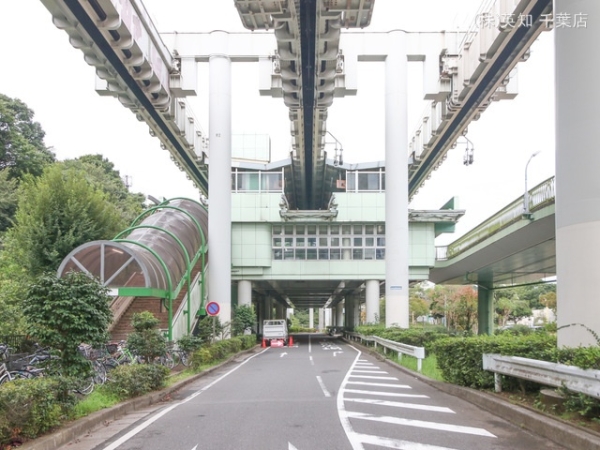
x,y
402,349
540,196
543,372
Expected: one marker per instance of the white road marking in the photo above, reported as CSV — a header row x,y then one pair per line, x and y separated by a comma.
x,y
291,447
385,394
283,354
153,419
373,401
311,360
369,371
195,447
374,377
325,391
421,424
397,443
342,413
309,344
366,383
335,353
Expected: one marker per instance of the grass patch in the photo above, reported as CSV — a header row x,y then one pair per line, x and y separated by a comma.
x,y
97,400
429,366
176,377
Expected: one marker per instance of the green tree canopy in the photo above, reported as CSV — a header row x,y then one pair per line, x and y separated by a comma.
x,y
56,213
22,148
101,174
8,199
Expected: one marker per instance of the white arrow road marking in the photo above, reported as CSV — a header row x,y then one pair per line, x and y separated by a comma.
x,y
335,353
325,391
283,354
421,424
291,447
195,447
396,443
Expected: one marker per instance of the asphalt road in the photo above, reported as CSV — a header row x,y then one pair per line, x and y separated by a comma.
x,y
319,394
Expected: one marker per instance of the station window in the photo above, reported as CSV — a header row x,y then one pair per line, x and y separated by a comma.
x,y
323,242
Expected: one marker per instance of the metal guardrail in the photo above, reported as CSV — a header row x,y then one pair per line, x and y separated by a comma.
x,y
402,349
550,374
539,196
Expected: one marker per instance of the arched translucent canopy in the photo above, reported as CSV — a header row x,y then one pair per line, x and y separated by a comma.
x,y
154,253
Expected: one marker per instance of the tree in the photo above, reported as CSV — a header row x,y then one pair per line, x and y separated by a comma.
x,y
244,317
464,309
549,300
101,174
56,213
146,339
65,312
8,199
22,148
418,307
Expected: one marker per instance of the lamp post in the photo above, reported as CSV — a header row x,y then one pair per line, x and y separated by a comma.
x,y
526,213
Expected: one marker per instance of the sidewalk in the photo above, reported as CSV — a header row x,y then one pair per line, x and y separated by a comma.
x,y
73,430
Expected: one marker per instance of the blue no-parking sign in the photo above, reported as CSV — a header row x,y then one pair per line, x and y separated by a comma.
x,y
212,308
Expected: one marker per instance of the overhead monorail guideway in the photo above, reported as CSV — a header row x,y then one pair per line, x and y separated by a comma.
x,y
308,55
134,64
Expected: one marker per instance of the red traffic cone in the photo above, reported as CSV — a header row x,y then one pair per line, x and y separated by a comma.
x,y
291,341
264,343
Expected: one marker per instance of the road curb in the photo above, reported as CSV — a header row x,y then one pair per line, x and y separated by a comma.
x,y
556,430
80,427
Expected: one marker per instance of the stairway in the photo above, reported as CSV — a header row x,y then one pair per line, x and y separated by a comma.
x,y
122,327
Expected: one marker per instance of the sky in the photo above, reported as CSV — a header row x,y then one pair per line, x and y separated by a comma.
x,y
39,66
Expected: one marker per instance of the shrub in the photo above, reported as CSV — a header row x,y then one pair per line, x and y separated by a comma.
x,y
137,379
248,341
460,359
201,357
146,341
29,408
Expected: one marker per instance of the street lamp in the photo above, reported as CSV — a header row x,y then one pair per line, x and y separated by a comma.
x,y
526,213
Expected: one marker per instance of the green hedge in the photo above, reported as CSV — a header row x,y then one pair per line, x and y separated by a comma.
x,y
417,337
460,359
29,408
137,379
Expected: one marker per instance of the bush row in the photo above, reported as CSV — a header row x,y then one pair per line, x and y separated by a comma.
x,y
409,336
32,407
219,350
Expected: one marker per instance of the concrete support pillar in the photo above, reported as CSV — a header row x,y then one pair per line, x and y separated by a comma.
x,y
339,320
321,319
268,308
311,318
485,306
357,311
372,300
577,161
280,311
244,293
349,312
219,173
328,317
396,183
